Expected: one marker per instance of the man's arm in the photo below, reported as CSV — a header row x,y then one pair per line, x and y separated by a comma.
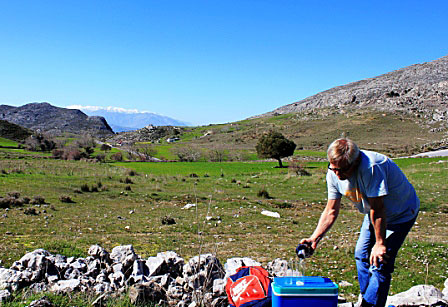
x,y
327,219
378,219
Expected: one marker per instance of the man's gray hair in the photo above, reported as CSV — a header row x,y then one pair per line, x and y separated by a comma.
x,y
342,150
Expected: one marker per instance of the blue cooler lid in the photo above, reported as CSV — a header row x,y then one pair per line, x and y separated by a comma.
x,y
304,285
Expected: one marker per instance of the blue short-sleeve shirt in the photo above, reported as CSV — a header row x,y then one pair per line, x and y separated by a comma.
x,y
377,176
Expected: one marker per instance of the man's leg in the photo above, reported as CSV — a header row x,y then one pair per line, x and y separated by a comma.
x,y
365,243
380,277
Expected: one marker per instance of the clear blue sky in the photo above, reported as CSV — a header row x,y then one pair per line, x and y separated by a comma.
x,y
206,61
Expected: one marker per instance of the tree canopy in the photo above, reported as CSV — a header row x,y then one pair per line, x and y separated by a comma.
x,y
275,146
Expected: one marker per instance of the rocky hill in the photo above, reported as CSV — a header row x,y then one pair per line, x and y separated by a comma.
x,y
13,132
55,120
420,89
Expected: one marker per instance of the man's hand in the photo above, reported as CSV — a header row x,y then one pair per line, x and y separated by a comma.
x,y
378,255
310,242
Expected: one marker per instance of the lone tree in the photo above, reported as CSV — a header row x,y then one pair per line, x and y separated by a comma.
x,y
275,146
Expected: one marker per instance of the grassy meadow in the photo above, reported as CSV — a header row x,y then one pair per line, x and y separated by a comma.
x,y
124,203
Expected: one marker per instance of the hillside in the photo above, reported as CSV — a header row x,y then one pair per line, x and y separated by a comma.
x,y
12,131
420,90
55,120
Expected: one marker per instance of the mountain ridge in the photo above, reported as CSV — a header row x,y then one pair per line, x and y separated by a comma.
x,y
44,117
420,89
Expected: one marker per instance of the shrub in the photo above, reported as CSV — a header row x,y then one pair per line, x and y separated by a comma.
x,y
85,188
14,194
263,193
131,173
66,199
128,180
38,200
117,157
57,153
168,220
30,211
100,157
26,200
194,175
94,188
298,169
187,154
127,188
9,202
72,154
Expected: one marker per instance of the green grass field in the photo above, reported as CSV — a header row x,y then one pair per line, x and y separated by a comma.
x,y
228,190
7,143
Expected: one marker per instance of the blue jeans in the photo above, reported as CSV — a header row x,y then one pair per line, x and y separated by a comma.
x,y
374,282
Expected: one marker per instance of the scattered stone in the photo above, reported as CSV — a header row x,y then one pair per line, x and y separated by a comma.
x,y
66,286
42,302
345,284
4,295
270,213
278,267
188,206
445,291
418,295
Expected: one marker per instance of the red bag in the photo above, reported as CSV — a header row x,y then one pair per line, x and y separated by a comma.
x,y
249,286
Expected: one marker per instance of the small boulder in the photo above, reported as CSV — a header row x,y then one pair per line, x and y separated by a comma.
x,y
5,295
42,302
418,295
66,286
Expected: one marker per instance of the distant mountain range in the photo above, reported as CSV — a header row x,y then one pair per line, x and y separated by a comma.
x,y
127,120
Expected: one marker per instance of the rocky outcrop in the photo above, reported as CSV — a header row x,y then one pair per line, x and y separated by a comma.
x,y
162,279
54,120
420,89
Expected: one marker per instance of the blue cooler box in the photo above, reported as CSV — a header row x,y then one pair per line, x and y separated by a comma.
x,y
304,291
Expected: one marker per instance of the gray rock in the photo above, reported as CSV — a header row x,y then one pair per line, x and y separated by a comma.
x,y
165,262
146,292
102,288
278,267
418,295
42,302
102,277
220,302
10,279
79,264
445,291
175,293
219,287
100,253
4,295
38,287
94,268
123,254
117,280
233,264
201,271
66,286
35,262
140,272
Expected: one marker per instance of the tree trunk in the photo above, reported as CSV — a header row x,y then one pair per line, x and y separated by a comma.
x,y
280,165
